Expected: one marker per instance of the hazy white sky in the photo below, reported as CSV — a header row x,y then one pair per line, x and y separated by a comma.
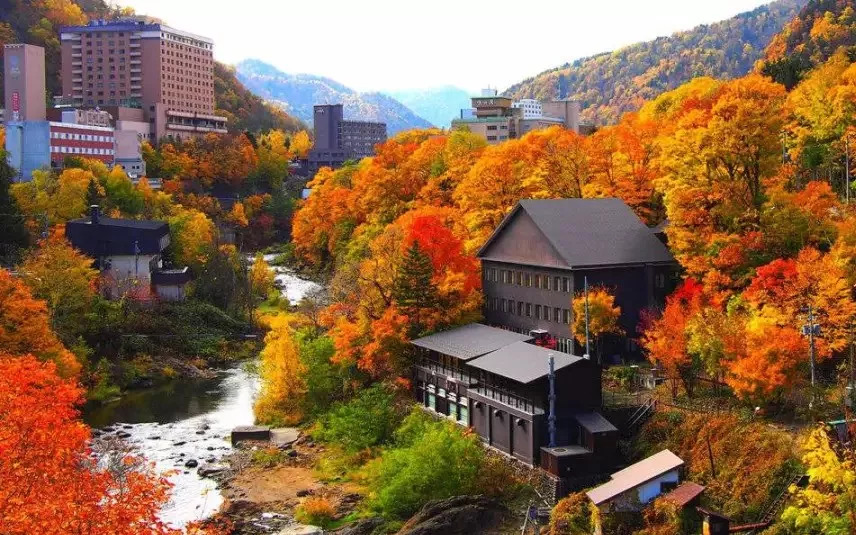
x,y
402,44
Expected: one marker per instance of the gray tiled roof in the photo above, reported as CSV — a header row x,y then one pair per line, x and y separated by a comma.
x,y
592,232
469,341
523,362
594,422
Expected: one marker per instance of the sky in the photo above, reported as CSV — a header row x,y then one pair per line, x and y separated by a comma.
x,y
388,45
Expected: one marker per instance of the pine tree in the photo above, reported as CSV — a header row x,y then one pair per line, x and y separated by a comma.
x,y
412,288
14,236
93,196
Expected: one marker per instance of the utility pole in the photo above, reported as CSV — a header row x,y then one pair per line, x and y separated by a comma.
x,y
811,330
847,167
551,418
585,292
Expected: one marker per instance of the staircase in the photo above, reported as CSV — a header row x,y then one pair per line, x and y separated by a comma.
x,y
769,514
639,417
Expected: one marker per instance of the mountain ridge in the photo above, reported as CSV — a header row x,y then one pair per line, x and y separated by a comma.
x,y
298,93
611,83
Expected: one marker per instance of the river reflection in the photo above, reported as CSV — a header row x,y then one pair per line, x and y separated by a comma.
x,y
170,402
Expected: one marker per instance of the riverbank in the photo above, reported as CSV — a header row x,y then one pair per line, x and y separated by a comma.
x,y
264,483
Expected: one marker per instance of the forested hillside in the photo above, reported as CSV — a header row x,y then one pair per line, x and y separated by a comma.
x,y
821,27
297,93
611,83
38,21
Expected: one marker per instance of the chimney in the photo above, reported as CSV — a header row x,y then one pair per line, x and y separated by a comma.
x,y
93,214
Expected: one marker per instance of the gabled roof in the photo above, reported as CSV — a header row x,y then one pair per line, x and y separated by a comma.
x,y
589,232
635,475
523,362
685,493
110,236
469,341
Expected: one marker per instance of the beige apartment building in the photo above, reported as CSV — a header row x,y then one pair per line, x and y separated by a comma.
x,y
497,118
136,63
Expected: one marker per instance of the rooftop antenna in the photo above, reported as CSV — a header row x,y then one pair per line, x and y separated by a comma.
x,y
588,344
551,418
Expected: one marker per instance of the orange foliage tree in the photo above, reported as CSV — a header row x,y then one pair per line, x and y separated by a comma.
x,y
25,326
50,484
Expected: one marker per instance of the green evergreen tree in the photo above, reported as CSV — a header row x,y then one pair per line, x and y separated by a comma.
x,y
14,237
412,288
93,196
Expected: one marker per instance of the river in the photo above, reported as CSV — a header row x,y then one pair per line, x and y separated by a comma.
x,y
190,419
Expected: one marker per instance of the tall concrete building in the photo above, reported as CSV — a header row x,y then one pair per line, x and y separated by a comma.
x,y
27,129
136,63
338,140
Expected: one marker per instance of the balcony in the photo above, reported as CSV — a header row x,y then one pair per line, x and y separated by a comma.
x,y
435,368
136,71
185,128
76,46
135,62
77,64
135,53
136,79
77,71
134,45
507,398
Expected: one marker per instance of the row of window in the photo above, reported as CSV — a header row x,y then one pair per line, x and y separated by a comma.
x,y
81,137
524,309
529,280
448,404
82,150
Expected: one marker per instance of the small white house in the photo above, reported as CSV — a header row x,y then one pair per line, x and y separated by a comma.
x,y
638,484
128,252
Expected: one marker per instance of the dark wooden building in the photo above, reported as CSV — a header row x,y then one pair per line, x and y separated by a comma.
x,y
543,250
497,382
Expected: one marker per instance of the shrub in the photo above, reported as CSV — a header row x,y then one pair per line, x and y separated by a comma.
x,y
268,457
439,463
368,420
572,516
317,511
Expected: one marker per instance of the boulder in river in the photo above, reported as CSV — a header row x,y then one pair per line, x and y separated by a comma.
x,y
366,526
302,529
250,432
461,515
208,470
191,463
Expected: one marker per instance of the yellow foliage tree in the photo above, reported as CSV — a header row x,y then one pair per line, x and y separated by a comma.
x,y
603,316
261,277
282,374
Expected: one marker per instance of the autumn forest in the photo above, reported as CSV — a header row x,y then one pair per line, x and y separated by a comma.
x,y
745,172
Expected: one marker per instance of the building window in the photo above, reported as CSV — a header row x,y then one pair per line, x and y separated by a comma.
x,y
528,310
520,308
547,280
519,278
503,304
566,284
538,312
660,280
463,411
567,316
558,285
528,280
557,312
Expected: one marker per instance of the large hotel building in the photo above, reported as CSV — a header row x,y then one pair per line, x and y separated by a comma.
x,y
135,64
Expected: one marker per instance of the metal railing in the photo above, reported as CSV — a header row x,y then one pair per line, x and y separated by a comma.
x,y
453,373
506,397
